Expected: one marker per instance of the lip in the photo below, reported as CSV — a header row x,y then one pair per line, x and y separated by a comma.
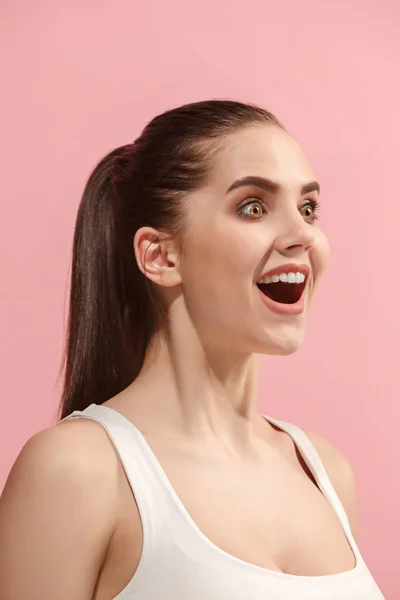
x,y
286,309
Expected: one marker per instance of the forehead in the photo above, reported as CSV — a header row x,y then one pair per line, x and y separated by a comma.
x,y
262,150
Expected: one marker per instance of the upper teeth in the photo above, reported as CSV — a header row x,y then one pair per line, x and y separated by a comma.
x,y
286,277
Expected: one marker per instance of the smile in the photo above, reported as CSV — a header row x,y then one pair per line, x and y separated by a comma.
x,y
282,288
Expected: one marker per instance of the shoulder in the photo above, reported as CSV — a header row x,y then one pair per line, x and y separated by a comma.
x,y
60,496
68,460
78,445
341,475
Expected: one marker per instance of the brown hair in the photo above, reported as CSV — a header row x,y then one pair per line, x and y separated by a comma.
x,y
113,309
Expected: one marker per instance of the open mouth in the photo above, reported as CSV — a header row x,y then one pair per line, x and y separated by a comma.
x,y
283,292
285,288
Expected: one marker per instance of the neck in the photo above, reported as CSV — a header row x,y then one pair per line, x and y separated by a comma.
x,y
206,392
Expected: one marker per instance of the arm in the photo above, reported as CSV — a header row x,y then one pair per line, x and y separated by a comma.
x,y
57,515
341,476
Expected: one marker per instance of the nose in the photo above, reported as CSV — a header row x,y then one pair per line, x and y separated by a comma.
x,y
296,236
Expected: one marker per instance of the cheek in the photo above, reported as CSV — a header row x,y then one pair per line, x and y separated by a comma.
x,y
218,271
225,249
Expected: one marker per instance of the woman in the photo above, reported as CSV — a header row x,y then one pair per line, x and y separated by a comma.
x,y
196,248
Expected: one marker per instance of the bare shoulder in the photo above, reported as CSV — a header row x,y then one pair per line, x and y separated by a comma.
x,y
341,475
60,498
76,447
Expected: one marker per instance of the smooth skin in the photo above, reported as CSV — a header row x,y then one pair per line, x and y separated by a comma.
x,y
69,524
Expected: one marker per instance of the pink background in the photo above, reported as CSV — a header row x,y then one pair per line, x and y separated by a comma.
x,y
79,78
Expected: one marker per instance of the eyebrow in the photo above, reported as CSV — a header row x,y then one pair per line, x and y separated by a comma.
x,y
271,186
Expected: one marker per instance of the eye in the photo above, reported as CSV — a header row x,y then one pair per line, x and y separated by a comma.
x,y
310,209
256,209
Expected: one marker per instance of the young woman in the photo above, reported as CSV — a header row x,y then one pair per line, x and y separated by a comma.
x,y
196,249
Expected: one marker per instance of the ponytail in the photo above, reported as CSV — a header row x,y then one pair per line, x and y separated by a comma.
x,y
100,356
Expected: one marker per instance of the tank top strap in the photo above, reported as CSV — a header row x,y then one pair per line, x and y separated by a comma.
x,y
142,471
314,462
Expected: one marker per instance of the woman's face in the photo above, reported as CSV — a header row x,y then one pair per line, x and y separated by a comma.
x,y
256,214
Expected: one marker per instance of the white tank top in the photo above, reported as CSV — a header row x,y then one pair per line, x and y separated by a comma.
x,y
179,562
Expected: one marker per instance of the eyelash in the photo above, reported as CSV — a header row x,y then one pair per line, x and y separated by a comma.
x,y
315,205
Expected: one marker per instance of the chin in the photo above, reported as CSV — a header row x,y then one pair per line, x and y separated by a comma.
x,y
283,343
286,350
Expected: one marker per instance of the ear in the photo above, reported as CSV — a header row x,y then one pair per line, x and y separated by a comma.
x,y
157,256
